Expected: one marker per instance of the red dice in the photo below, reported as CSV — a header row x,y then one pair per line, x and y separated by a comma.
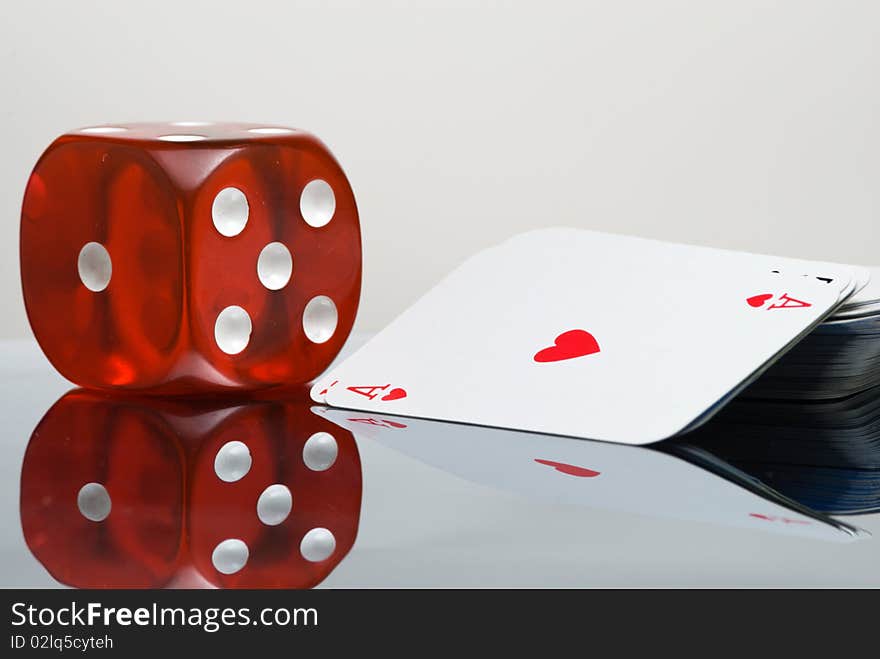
x,y
189,257
158,493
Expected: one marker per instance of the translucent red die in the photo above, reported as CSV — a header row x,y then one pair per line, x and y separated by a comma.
x,y
189,257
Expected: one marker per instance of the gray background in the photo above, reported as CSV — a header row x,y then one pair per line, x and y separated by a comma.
x,y
741,124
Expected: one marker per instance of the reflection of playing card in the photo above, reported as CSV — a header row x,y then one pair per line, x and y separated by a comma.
x,y
587,334
593,474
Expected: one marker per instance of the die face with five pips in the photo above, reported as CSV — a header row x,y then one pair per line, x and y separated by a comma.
x,y
190,257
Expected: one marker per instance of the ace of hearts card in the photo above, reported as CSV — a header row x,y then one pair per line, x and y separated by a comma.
x,y
592,335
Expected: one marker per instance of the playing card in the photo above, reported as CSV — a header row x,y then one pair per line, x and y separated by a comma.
x,y
594,474
594,335
864,302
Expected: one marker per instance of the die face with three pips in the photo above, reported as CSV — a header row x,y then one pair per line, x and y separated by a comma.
x,y
189,257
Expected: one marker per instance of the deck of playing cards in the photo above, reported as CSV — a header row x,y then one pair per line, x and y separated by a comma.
x,y
841,357
592,335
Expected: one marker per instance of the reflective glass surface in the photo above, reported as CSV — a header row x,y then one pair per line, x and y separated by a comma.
x,y
103,491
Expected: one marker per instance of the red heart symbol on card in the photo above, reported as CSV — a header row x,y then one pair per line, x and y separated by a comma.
x,y
759,300
394,394
571,470
326,389
568,345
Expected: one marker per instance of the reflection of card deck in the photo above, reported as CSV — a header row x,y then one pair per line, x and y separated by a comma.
x,y
591,335
595,474
827,490
825,454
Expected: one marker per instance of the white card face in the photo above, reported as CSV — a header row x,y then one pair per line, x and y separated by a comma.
x,y
592,335
594,474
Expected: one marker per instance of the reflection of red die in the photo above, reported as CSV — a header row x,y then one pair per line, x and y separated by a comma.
x,y
274,498
102,498
151,493
175,258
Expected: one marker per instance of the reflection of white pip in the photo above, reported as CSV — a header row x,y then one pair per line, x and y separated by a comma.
x,y
594,474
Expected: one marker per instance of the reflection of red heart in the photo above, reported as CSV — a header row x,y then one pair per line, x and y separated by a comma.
x,y
571,470
759,300
568,345
394,394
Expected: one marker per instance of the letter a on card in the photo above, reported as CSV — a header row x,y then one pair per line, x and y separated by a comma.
x,y
369,392
786,302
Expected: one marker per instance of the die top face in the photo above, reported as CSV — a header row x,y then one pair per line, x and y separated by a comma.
x,y
227,257
185,134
